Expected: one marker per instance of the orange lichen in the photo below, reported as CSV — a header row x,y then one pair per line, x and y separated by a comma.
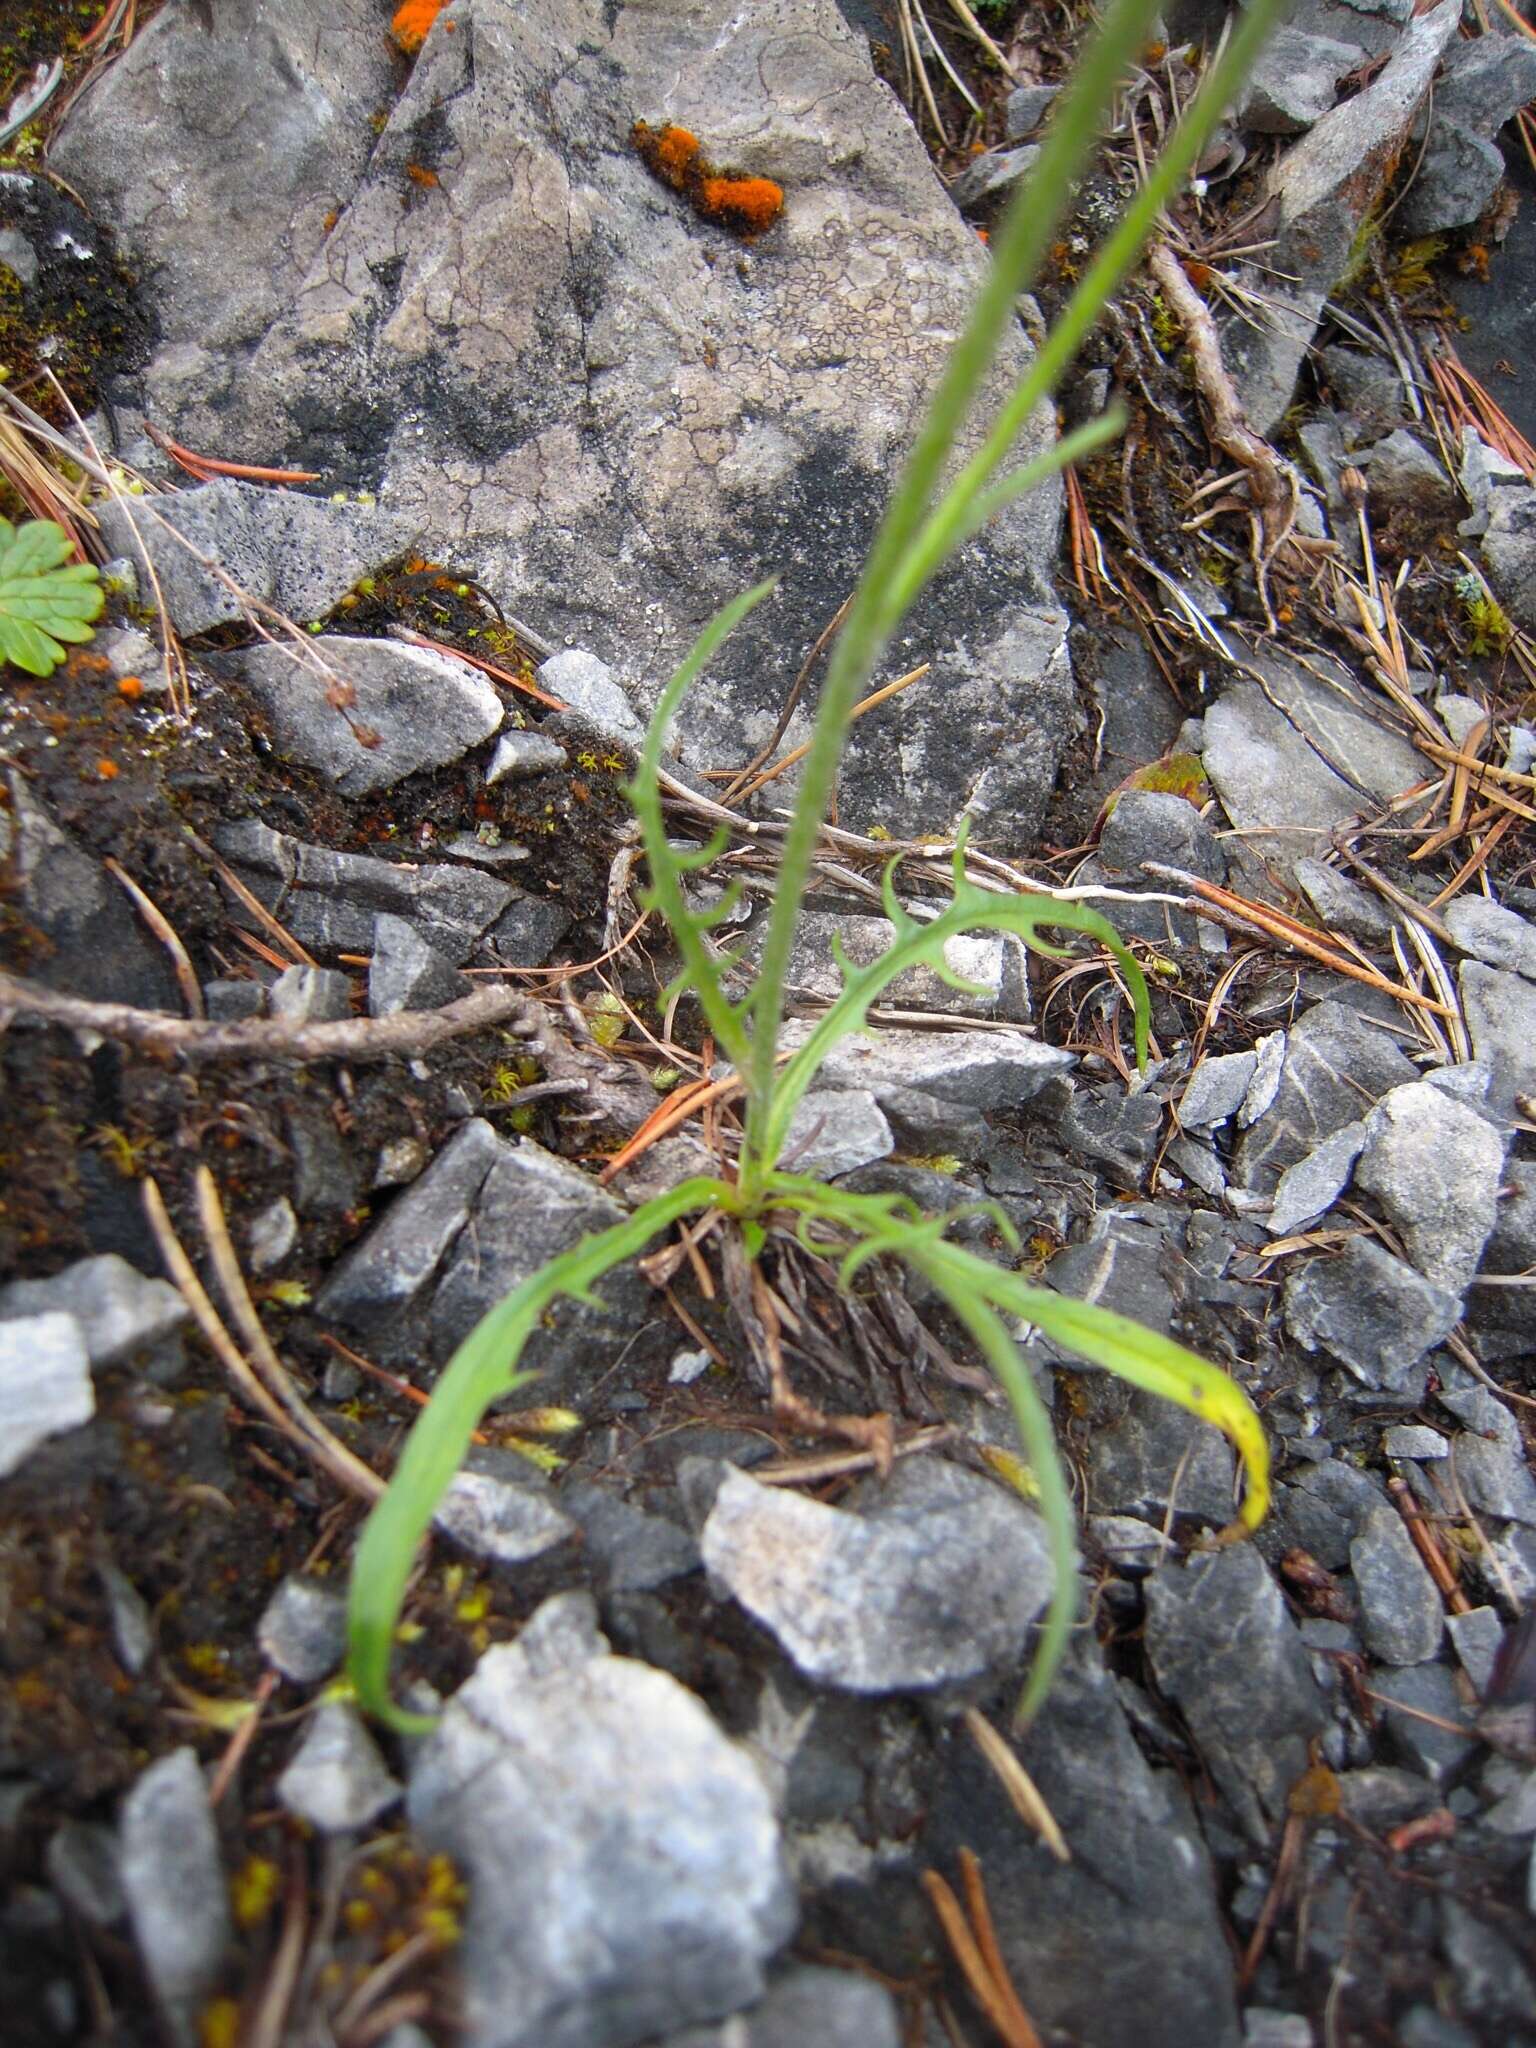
x,y
675,157
745,205
412,20
419,174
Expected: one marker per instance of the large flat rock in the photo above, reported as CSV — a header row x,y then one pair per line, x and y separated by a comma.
x,y
612,411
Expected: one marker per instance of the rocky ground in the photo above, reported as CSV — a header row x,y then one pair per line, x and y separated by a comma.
x,y
323,978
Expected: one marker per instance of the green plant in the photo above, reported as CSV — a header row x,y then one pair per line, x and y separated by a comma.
x,y
927,519
40,602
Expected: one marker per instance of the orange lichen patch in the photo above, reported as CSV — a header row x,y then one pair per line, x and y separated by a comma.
x,y
420,175
412,20
131,687
107,770
675,157
745,205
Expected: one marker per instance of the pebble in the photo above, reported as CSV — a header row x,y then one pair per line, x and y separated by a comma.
x,y
497,1507
1436,1167
928,1579
303,1629
45,1383
1370,1311
1401,1616
310,995
336,1781
625,1870
836,1131
120,1310
406,973
173,1880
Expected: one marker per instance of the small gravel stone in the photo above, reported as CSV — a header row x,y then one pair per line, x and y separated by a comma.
x,y
524,753
119,1310
1436,1167
1265,2027
1495,935
924,1580
1401,1615
634,1551
625,1872
1268,1066
836,1131
1414,1440
1430,1689
272,1234
173,1879
45,1384
1373,1313
993,172
499,1508
1501,1016
1343,905
406,973
1224,1649
1476,1636
810,2006
310,995
133,1629
303,1629
1490,1458
587,687
400,1161
1315,1183
1216,1089
337,1780
1026,108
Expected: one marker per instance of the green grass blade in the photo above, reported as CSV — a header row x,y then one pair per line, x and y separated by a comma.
x,y
666,870
972,909
483,1368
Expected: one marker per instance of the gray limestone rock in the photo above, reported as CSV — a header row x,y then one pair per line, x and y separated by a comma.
x,y
272,1235
1273,785
808,2006
498,1507
128,1617
519,753
927,1579
45,1383
303,1629
301,555
1216,1089
588,688
1313,1184
1123,1946
1431,1689
1484,83
836,1131
1320,1511
1369,1311
229,232
1025,109
310,995
96,946
120,1310
1224,1649
624,1864
1340,724
1342,905
1500,1009
1327,185
1404,476
1436,1167
329,900
968,1070
1368,387
1154,825
1490,1456
1492,934
1401,1615
609,411
1414,1440
1475,1637
1335,1065
993,962
1509,550
173,1880
633,1550
531,1207
405,973
399,1255
991,174
407,710
336,1780
1294,81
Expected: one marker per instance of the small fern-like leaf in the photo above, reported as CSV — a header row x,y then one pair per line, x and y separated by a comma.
x,y
43,604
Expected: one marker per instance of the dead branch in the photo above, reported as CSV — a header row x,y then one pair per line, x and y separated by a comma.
x,y
406,1034
1273,482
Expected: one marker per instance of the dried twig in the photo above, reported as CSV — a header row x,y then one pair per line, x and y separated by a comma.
x,y
404,1035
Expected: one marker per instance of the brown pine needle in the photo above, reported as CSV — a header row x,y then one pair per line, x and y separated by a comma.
x,y
974,1943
